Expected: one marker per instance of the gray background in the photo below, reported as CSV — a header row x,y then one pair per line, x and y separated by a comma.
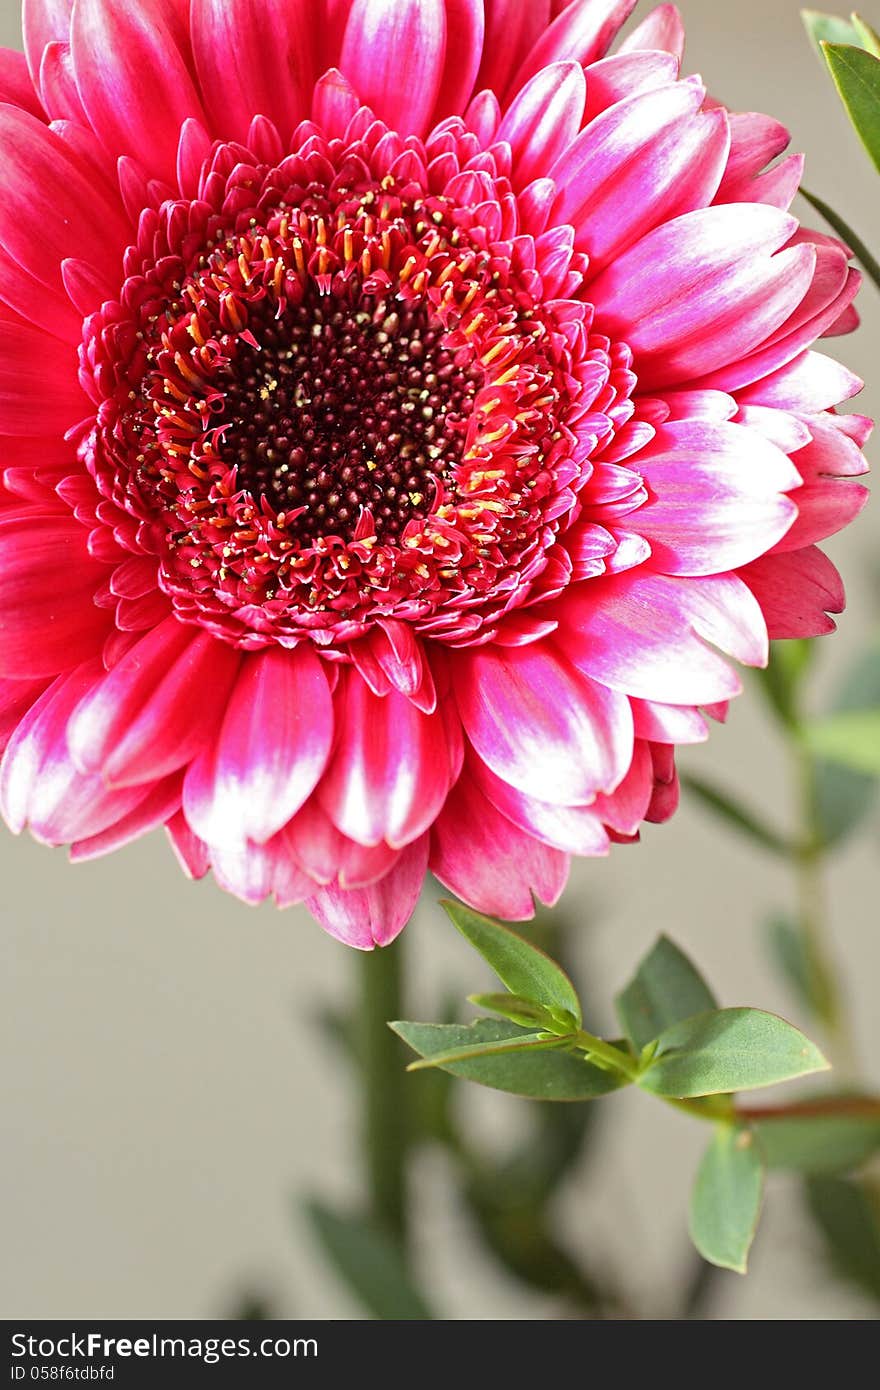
x,y
165,1096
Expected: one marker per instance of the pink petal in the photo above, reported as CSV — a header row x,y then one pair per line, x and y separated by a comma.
x,y
133,80
624,75
43,22
796,592
828,501
755,140
573,829
512,30
16,86
334,103
48,619
49,203
668,723
272,748
810,383
644,161
717,496
661,29
543,119
39,785
583,32
394,53
58,85
373,916
646,634
465,28
540,725
703,290
16,698
488,861
626,807
46,309
192,854
158,706
390,769
160,803
252,59
28,359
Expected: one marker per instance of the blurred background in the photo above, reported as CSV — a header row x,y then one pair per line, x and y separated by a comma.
x,y
168,1099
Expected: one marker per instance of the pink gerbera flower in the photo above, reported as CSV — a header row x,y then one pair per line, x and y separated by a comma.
x,y
404,406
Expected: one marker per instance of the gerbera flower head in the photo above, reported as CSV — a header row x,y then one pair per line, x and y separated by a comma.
x,y
405,410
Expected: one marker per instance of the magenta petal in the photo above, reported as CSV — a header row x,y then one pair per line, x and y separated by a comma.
x,y
271,749
16,86
28,359
390,769
394,53
488,861
699,291
625,808
540,725
48,620
192,854
644,161
133,80
158,706
43,22
646,634
796,590
49,204
583,32
252,58
661,29
160,803
512,30
465,27
810,383
624,75
717,496
368,917
668,723
573,829
543,120
39,785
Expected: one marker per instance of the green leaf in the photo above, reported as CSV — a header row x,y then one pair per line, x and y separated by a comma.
x,y
540,1075
528,1042
728,1050
851,738
837,1137
866,37
665,989
369,1263
849,1222
809,986
523,968
868,262
726,1198
737,815
827,28
518,1010
856,76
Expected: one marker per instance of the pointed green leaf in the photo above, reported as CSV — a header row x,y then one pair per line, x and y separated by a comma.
x,y
851,738
523,968
726,1199
518,1010
540,1075
839,1134
370,1263
729,1050
866,37
809,986
665,989
736,814
868,262
857,78
528,1042
850,1223
827,28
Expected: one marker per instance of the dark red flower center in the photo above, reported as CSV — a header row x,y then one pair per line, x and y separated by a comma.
x,y
347,405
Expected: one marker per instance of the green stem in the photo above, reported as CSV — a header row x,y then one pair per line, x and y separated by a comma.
x,y
606,1054
809,866
385,1087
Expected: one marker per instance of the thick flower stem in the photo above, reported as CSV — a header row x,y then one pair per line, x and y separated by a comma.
x,y
385,1088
